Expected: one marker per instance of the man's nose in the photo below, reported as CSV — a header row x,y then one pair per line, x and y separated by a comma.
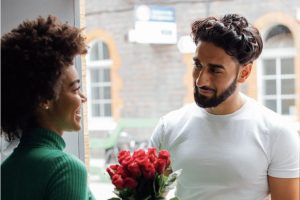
x,y
202,78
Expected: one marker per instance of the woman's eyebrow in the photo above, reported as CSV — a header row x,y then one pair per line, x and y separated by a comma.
x,y
74,82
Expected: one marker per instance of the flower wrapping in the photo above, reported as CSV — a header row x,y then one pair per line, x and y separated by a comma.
x,y
142,175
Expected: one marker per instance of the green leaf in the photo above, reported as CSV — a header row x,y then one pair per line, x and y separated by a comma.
x,y
170,182
114,198
126,193
175,198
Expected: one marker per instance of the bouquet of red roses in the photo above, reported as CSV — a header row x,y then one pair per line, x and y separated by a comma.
x,y
140,176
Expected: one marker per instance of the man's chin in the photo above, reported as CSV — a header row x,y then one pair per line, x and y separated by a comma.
x,y
203,101
202,105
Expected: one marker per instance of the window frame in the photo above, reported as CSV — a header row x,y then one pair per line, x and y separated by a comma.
x,y
277,54
101,122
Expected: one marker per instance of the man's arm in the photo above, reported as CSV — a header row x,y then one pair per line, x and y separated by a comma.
x,y
284,188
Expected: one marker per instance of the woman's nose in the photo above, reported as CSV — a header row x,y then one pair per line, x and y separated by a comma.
x,y
83,98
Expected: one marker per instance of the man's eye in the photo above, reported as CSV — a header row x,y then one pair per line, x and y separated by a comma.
x,y
197,65
216,71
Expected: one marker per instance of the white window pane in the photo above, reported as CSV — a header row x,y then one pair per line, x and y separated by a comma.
x,y
106,75
270,87
95,110
287,66
94,52
99,51
95,93
95,75
288,86
271,104
107,110
106,93
269,67
104,51
288,107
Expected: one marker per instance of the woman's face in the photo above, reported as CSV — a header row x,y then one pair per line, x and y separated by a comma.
x,y
64,112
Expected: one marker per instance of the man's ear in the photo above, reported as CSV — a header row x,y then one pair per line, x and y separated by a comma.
x,y
244,73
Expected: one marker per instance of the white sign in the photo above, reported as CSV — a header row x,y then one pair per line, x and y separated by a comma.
x,y
154,25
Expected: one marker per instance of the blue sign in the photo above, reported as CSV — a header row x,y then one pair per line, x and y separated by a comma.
x,y
162,14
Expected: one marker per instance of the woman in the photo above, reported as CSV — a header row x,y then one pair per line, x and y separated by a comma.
x,y
41,99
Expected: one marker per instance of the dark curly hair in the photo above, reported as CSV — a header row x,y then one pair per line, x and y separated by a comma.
x,y
232,33
33,58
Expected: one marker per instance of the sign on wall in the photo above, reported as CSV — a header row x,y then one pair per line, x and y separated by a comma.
x,y
154,25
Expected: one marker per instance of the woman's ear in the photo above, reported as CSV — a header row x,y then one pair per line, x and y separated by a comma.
x,y
244,73
46,105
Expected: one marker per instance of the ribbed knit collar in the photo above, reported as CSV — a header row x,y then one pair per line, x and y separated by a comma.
x,y
43,137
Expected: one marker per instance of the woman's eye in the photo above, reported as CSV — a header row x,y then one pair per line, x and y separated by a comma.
x,y
77,89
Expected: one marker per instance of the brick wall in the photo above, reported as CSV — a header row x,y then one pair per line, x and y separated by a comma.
x,y
154,76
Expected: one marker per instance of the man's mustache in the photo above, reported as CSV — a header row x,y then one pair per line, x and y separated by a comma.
x,y
206,88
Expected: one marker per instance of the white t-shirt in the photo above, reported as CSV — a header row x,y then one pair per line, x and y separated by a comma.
x,y
227,157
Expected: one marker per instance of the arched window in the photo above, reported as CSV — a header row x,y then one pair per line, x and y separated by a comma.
x,y
99,83
277,76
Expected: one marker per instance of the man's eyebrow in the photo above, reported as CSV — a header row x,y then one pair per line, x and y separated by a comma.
x,y
74,82
195,59
216,66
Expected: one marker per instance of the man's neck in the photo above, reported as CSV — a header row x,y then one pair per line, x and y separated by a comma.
x,y
230,105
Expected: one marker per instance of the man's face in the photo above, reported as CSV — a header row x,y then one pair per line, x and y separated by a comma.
x,y
214,74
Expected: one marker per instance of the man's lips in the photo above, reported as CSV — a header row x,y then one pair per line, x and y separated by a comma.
x,y
206,91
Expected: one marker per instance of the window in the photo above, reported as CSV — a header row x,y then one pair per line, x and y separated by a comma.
x,y
277,76
99,84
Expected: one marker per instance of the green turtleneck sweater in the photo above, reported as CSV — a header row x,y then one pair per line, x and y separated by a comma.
x,y
38,169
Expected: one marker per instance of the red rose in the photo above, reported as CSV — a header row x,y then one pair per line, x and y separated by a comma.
x,y
142,161
149,170
164,154
123,155
152,155
134,169
130,183
160,166
139,153
151,151
140,157
111,170
126,161
121,171
118,181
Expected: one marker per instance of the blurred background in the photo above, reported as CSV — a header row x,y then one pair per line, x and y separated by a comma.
x,y
140,62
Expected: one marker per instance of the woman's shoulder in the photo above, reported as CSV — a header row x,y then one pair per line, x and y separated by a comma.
x,y
62,158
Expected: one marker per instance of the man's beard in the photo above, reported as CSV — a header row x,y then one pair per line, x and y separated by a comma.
x,y
215,100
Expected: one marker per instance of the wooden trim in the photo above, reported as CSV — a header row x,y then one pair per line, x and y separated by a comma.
x,y
83,78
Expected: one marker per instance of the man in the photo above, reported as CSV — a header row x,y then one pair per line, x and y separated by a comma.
x,y
228,146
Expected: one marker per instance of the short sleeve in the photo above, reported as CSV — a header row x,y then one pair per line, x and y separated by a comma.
x,y
68,180
285,155
157,135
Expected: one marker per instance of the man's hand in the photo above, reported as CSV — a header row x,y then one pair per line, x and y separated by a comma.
x,y
284,188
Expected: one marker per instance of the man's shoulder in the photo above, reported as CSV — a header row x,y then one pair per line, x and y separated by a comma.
x,y
262,111
268,118
183,112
